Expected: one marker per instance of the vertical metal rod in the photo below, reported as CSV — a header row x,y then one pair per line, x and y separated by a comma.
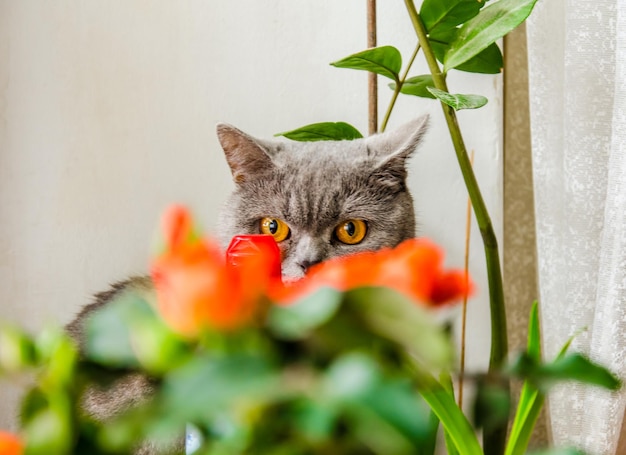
x,y
372,87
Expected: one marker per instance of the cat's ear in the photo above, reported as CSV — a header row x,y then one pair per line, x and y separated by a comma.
x,y
247,156
393,148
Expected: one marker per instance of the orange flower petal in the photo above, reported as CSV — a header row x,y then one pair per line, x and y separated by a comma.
x,y
197,289
414,268
450,286
10,444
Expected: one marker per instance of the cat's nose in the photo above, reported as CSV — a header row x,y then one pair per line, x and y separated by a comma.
x,y
307,264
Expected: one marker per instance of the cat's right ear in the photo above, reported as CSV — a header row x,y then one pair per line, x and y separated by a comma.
x,y
394,148
246,155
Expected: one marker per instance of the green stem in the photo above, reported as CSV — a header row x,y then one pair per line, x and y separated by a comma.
x,y
398,88
493,441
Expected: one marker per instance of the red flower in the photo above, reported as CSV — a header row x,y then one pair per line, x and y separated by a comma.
x,y
195,286
414,268
10,444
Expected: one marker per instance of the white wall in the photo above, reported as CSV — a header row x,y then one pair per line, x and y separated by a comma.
x,y
108,114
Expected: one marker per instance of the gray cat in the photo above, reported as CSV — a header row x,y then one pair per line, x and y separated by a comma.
x,y
321,199
318,199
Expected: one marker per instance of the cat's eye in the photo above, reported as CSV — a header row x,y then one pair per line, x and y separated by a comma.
x,y
351,232
276,228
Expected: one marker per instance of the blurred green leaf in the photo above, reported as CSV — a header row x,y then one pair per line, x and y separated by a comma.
x,y
108,331
298,320
458,102
325,131
356,382
492,405
376,434
571,367
397,403
127,333
17,351
156,347
315,419
351,375
416,86
33,401
396,318
579,368
446,14
48,431
62,353
491,24
384,60
233,379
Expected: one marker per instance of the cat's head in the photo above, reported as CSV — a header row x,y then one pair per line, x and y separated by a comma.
x,y
321,199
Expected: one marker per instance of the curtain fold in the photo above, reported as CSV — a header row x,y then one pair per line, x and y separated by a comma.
x,y
577,55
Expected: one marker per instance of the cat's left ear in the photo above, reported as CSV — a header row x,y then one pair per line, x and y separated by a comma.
x,y
247,156
394,148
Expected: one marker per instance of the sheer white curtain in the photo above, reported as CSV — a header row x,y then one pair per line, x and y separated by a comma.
x,y
577,76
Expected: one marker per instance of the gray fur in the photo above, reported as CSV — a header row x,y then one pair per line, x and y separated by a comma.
x,y
313,187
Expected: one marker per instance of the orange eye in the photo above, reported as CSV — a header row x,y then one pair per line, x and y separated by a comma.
x,y
276,228
351,232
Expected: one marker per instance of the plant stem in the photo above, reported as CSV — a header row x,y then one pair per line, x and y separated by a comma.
x,y
398,88
468,227
493,441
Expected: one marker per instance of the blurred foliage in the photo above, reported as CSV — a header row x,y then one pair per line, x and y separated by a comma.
x,y
341,373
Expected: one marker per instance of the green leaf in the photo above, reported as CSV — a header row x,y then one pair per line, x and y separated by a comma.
x,y
528,410
451,417
491,24
416,86
447,14
298,320
384,60
446,381
579,368
572,367
458,102
324,131
568,343
534,333
561,451
488,61
531,400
